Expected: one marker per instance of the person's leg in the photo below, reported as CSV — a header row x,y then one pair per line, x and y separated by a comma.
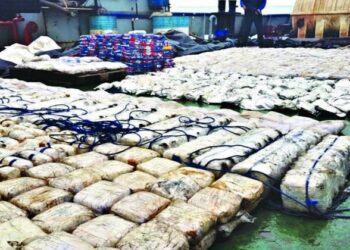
x,y
258,21
246,26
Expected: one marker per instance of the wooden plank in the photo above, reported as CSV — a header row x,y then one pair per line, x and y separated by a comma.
x,y
344,26
320,28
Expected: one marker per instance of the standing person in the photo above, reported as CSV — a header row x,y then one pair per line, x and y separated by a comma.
x,y
253,13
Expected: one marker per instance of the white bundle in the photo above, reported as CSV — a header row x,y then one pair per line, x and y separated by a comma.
x,y
195,223
140,207
64,217
158,166
17,162
9,212
49,170
8,173
36,157
14,187
101,196
86,160
154,235
136,181
104,231
40,199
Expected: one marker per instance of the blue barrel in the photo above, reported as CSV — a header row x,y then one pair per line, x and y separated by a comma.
x,y
162,24
158,4
103,24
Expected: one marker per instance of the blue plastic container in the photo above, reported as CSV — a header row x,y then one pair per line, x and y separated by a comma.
x,y
163,23
103,25
158,4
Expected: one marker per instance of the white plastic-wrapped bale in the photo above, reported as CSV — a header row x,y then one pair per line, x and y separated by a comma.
x,y
8,143
225,230
104,231
207,241
9,212
274,160
54,154
110,149
224,157
317,177
86,160
64,149
49,170
250,190
17,231
154,235
220,137
202,177
109,170
36,157
223,204
8,173
136,181
17,162
135,156
101,196
6,153
64,217
174,187
158,166
14,187
192,221
140,207
58,241
75,181
41,199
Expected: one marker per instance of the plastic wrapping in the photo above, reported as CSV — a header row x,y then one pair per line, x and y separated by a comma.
x,y
154,235
192,221
9,212
14,187
110,149
41,199
64,217
8,143
75,181
35,157
140,207
86,160
223,204
136,181
224,157
158,166
317,177
8,173
17,162
18,230
109,170
250,190
274,160
58,241
49,170
202,177
216,138
174,187
104,231
135,156
101,196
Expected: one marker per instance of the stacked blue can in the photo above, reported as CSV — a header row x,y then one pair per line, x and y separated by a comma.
x,y
141,52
